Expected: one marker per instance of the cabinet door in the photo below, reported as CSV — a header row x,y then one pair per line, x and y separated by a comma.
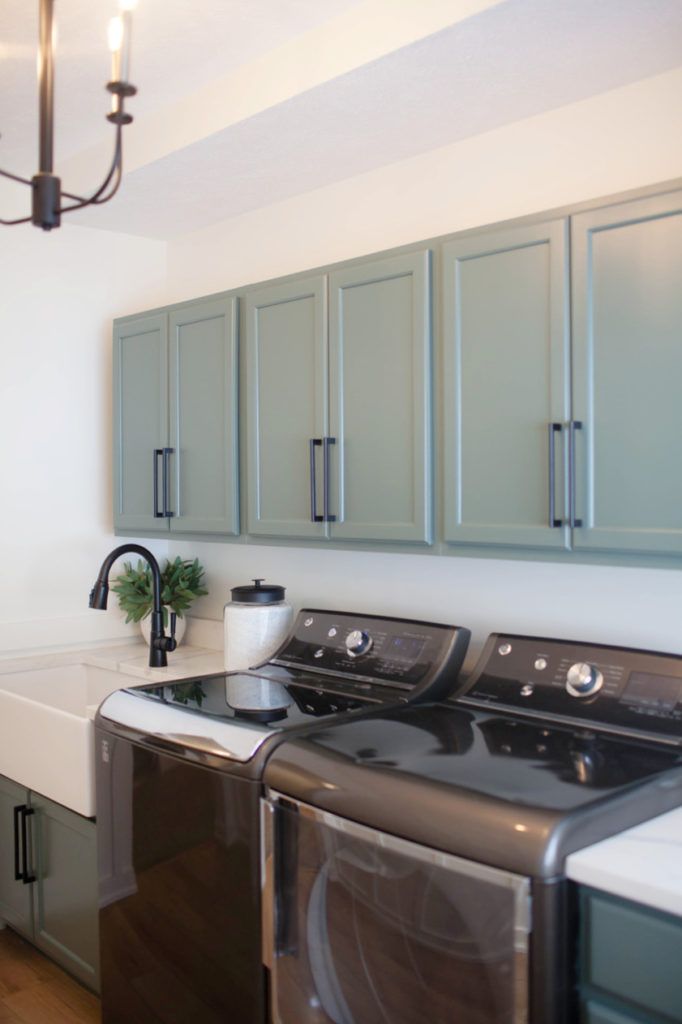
x,y
506,337
627,328
380,393
203,417
16,907
65,901
140,421
286,368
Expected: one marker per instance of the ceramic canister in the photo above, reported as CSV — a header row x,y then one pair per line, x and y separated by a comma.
x,y
256,621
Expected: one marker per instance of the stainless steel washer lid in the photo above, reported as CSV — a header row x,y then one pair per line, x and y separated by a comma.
x,y
189,732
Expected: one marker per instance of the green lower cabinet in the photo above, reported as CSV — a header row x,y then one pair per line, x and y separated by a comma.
x,y
55,903
629,962
16,898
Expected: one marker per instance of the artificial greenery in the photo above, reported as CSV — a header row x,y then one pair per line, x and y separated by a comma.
x,y
181,583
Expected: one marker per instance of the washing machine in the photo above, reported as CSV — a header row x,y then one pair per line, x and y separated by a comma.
x,y
179,777
414,859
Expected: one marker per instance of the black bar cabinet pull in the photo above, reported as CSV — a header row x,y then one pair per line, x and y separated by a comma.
x,y
325,460
572,427
167,514
553,429
157,514
17,867
21,873
26,812
315,442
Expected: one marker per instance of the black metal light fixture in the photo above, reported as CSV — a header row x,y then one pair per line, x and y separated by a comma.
x,y
50,200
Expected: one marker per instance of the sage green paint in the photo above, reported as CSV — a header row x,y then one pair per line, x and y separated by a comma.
x,y
203,396
505,366
627,337
596,1013
631,955
16,899
58,912
380,408
66,901
140,419
287,404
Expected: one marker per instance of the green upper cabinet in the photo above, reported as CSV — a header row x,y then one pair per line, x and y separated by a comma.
x,y
287,405
380,409
203,418
140,419
339,414
175,421
506,386
627,336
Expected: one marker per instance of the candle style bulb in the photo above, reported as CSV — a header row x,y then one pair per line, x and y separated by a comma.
x,y
115,36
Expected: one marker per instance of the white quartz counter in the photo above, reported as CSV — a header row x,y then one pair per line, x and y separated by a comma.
x,y
130,659
643,864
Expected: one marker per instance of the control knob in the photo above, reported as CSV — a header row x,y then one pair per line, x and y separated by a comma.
x,y
358,642
583,680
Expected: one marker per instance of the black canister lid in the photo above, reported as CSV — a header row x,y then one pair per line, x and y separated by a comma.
x,y
257,594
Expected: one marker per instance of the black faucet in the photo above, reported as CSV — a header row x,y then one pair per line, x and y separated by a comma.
x,y
159,643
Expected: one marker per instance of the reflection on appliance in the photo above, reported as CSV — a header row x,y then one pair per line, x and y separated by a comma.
x,y
573,758
180,766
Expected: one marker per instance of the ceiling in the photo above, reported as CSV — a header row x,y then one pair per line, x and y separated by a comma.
x,y
243,103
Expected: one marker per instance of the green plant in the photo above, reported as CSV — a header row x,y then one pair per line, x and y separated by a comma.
x,y
181,583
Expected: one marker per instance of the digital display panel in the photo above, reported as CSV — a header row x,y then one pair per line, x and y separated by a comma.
x,y
661,692
407,648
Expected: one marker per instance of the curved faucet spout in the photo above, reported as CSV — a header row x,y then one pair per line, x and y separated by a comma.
x,y
159,643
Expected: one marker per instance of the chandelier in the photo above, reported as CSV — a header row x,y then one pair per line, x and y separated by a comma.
x,y
49,199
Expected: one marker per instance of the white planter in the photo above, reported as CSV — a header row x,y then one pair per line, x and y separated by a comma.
x,y
180,627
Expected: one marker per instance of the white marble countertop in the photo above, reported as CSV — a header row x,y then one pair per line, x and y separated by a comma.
x,y
129,658
643,864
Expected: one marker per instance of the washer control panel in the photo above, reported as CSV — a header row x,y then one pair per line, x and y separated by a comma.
x,y
417,657
618,688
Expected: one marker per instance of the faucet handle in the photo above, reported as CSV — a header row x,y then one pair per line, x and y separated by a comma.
x,y
173,621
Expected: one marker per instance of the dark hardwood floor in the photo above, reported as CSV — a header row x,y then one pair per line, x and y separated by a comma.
x,y
33,990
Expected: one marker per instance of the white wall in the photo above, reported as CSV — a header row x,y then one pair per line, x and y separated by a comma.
x,y
59,294
624,139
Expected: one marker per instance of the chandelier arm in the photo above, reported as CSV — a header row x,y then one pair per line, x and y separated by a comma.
x,y
94,199
21,220
15,177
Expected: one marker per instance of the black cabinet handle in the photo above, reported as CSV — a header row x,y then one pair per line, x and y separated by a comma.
x,y
315,442
17,866
21,873
327,442
572,427
166,452
552,430
157,514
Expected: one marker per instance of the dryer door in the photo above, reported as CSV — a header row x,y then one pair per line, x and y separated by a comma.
x,y
365,928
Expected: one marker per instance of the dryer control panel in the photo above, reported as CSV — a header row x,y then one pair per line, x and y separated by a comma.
x,y
421,658
617,689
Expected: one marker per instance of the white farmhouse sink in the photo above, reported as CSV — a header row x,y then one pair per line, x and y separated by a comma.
x,y
46,729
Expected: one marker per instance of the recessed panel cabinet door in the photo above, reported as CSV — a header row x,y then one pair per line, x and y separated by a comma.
x,y
66,901
286,370
627,330
16,906
203,418
506,386
140,421
380,391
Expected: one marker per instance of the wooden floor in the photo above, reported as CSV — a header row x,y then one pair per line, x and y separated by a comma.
x,y
33,990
